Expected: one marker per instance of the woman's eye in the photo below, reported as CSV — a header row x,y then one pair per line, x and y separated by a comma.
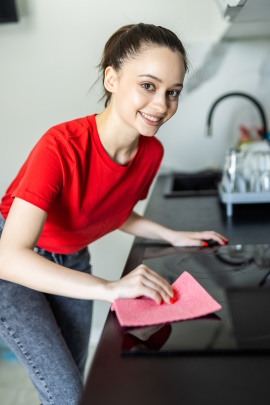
x,y
174,93
148,86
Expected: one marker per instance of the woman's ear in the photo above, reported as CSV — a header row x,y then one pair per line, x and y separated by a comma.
x,y
110,79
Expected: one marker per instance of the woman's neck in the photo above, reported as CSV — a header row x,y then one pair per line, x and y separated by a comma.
x,y
119,145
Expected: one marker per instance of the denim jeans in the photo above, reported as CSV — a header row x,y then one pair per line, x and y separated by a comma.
x,y
49,334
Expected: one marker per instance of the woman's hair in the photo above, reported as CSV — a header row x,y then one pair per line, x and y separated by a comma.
x,y
127,41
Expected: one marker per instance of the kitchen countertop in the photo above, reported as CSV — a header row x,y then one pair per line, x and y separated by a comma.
x,y
190,378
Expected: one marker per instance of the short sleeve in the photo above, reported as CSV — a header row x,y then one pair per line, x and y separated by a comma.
x,y
41,177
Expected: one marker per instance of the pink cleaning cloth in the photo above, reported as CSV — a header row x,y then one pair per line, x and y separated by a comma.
x,y
193,302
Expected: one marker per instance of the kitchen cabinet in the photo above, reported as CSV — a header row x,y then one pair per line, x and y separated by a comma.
x,y
189,378
247,18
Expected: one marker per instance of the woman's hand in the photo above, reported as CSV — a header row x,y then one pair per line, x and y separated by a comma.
x,y
141,282
140,226
179,238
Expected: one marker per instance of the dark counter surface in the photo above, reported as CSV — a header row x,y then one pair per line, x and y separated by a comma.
x,y
188,379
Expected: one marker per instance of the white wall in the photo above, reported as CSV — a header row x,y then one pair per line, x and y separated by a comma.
x,y
48,61
47,65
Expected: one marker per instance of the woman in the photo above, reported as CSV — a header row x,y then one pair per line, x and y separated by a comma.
x,y
81,181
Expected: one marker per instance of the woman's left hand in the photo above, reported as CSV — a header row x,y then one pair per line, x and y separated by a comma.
x,y
179,238
143,227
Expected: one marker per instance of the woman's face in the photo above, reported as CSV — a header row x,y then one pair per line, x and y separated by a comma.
x,y
148,88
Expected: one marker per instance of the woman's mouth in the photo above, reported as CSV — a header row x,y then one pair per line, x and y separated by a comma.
x,y
150,119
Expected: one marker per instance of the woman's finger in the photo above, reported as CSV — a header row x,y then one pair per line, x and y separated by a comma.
x,y
151,293
136,286
155,278
159,290
211,235
144,281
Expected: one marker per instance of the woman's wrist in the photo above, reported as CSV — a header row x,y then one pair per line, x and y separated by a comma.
x,y
112,290
100,289
108,291
169,235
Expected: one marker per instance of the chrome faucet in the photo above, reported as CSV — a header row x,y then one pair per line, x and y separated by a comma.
x,y
263,133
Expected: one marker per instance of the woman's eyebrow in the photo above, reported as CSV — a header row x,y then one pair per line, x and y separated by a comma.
x,y
159,80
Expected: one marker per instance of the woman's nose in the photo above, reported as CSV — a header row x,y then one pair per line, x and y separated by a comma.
x,y
160,103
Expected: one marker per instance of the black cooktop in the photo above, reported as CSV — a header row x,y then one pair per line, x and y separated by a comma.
x,y
237,276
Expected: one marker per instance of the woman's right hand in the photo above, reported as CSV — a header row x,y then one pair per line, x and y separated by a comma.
x,y
141,282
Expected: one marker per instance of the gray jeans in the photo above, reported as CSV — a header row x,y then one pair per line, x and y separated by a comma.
x,y
49,334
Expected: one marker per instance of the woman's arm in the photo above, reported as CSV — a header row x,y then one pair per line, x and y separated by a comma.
x,y
21,265
140,226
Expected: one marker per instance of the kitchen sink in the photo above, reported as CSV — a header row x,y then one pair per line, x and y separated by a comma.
x,y
203,183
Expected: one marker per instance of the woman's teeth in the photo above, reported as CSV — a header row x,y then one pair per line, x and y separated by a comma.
x,y
150,118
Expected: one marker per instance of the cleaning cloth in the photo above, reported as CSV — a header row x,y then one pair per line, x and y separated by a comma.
x,y
193,301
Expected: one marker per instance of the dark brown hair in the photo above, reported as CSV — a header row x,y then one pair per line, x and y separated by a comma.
x,y
127,41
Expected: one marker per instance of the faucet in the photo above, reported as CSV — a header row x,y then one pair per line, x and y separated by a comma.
x,y
263,133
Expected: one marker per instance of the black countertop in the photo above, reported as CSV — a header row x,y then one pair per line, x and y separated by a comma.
x,y
188,379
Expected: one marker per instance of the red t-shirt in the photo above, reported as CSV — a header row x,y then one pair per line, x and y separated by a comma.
x,y
69,175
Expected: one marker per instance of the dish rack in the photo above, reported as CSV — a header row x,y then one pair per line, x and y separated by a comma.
x,y
248,197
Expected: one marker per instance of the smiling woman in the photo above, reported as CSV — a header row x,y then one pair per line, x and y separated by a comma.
x,y
129,41
143,101
80,182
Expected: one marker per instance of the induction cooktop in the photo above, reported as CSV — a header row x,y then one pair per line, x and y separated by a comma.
x,y
237,276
